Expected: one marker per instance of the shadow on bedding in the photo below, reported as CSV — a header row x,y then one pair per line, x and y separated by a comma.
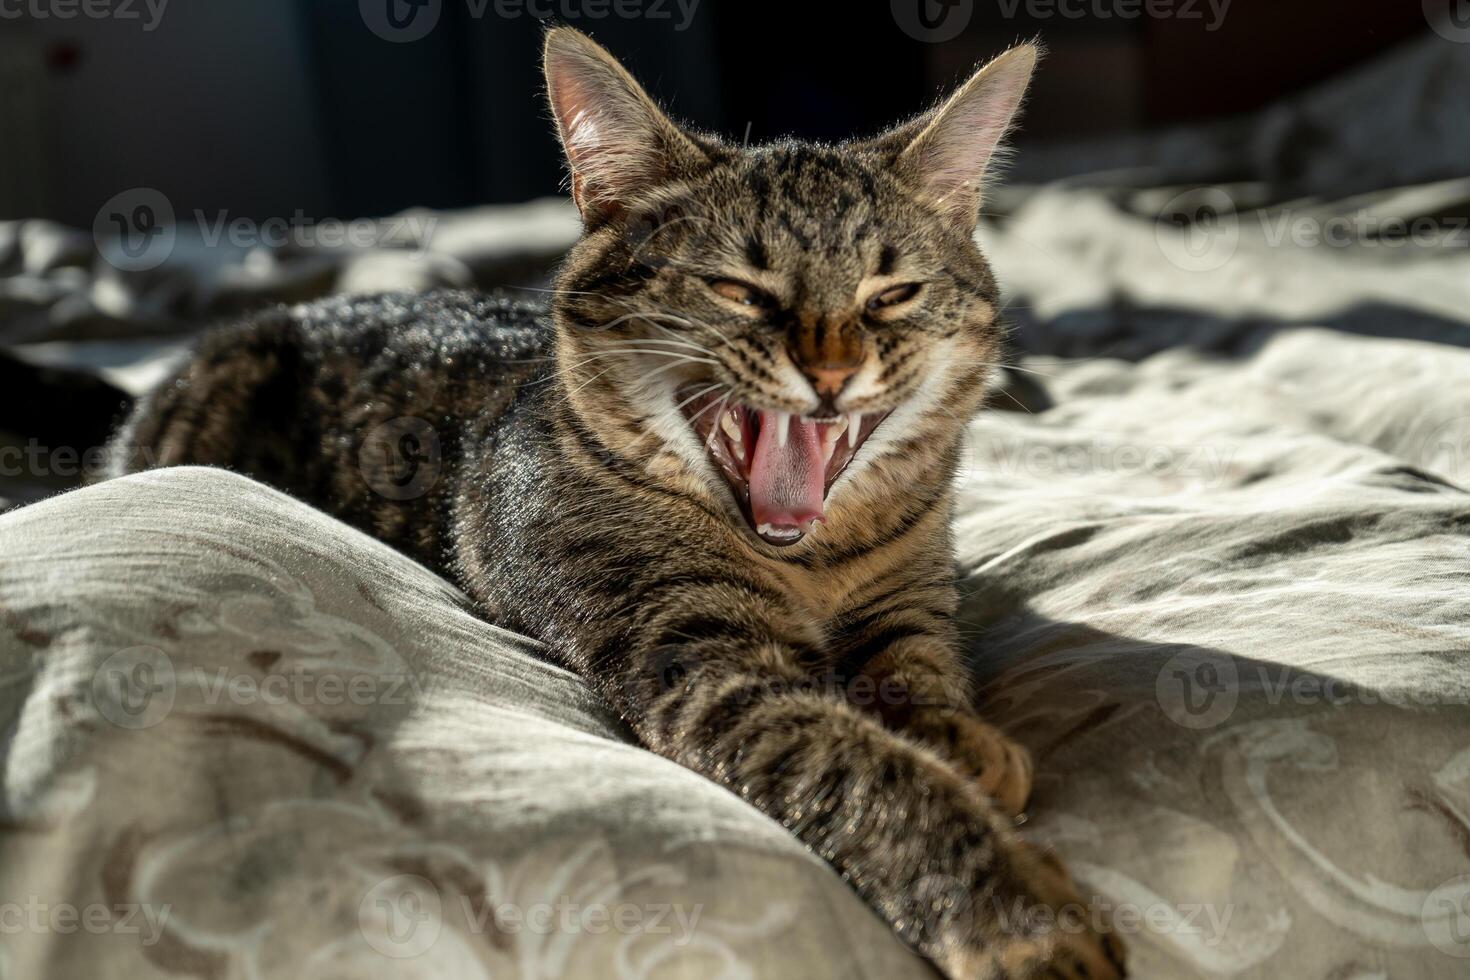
x,y
1133,333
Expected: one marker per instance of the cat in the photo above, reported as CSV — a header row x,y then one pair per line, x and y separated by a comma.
x,y
714,476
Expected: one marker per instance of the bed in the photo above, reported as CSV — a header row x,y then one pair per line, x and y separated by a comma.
x,y
1214,548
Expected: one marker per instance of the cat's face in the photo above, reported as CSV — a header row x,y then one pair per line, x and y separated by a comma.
x,y
777,318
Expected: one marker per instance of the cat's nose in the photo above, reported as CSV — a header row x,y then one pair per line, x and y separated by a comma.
x,y
829,379
828,354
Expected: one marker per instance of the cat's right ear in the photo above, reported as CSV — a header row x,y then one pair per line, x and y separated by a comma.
x,y
946,152
617,141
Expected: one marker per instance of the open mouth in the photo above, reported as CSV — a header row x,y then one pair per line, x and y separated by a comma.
x,y
779,466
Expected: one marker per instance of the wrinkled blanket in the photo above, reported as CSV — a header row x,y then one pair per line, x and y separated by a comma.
x,y
1214,544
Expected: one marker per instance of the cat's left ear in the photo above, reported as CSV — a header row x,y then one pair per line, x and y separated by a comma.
x,y
947,151
617,141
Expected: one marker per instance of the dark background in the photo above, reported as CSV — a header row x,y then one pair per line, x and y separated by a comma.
x,y
267,107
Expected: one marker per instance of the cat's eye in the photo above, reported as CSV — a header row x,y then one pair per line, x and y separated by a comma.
x,y
742,293
894,295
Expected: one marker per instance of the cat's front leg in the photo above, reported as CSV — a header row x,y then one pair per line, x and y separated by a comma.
x,y
898,656
722,679
918,685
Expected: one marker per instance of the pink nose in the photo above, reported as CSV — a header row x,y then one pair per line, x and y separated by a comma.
x,y
830,379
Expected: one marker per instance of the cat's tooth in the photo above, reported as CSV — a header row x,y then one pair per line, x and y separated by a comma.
x,y
783,428
854,424
830,435
731,427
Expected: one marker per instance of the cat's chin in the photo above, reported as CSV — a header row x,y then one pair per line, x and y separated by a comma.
x,y
779,467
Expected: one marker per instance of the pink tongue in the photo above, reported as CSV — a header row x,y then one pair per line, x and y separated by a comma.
x,y
786,481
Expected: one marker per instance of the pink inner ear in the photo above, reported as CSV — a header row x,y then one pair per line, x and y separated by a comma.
x,y
580,138
952,153
571,101
608,129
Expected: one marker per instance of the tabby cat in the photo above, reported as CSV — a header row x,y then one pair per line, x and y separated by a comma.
x,y
715,477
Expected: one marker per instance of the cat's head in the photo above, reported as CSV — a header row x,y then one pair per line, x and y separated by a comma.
x,y
781,323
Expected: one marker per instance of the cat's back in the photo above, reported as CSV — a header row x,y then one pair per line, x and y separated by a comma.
x,y
314,398
475,336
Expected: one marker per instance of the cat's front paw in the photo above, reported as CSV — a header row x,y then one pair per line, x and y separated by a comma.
x,y
1001,767
1071,943
1044,929
1092,956
1080,954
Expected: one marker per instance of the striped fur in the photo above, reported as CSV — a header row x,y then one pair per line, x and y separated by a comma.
x,y
573,501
